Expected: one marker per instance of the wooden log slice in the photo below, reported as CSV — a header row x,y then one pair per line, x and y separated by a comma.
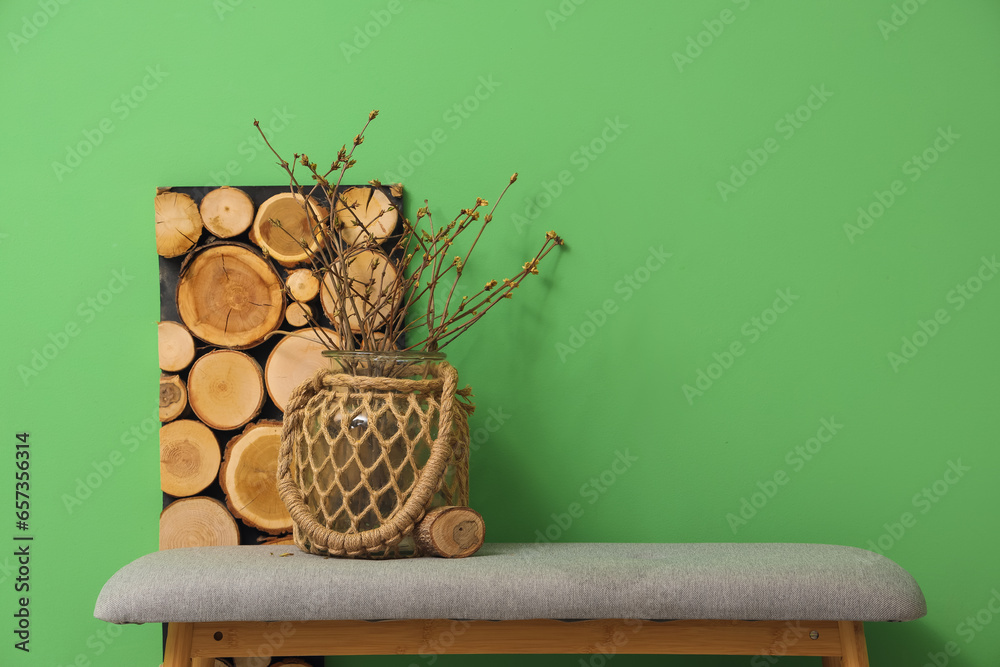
x,y
197,522
371,283
450,532
229,296
178,223
176,346
298,314
302,284
249,478
189,457
173,397
283,241
278,539
365,216
295,359
226,389
227,211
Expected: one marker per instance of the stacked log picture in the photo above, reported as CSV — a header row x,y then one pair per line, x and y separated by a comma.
x,y
242,320
241,327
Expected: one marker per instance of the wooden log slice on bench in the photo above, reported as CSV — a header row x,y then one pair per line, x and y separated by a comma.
x,y
365,215
189,457
173,397
197,522
282,225
302,284
295,359
249,478
227,211
176,346
450,532
372,277
178,223
226,389
228,295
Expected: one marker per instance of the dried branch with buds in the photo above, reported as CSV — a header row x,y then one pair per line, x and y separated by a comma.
x,y
374,272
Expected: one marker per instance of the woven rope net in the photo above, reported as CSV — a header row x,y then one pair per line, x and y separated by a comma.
x,y
363,458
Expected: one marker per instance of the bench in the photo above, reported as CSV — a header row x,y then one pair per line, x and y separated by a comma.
x,y
713,599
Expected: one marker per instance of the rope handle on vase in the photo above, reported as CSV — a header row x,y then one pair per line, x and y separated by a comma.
x,y
401,521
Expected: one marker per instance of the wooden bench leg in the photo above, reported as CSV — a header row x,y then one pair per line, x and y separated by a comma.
x,y
177,652
853,647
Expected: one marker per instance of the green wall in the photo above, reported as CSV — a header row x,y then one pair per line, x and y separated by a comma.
x,y
745,159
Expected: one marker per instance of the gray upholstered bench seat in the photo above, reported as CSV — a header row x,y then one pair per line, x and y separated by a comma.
x,y
778,582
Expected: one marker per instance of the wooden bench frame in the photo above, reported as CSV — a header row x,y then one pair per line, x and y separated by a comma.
x,y
839,643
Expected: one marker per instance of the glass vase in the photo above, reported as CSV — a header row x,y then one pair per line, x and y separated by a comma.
x,y
368,450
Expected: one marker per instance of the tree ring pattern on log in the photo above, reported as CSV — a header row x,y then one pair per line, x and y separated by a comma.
x,y
229,296
295,359
367,216
248,477
169,393
178,223
226,389
285,231
189,457
173,397
227,211
175,346
197,522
